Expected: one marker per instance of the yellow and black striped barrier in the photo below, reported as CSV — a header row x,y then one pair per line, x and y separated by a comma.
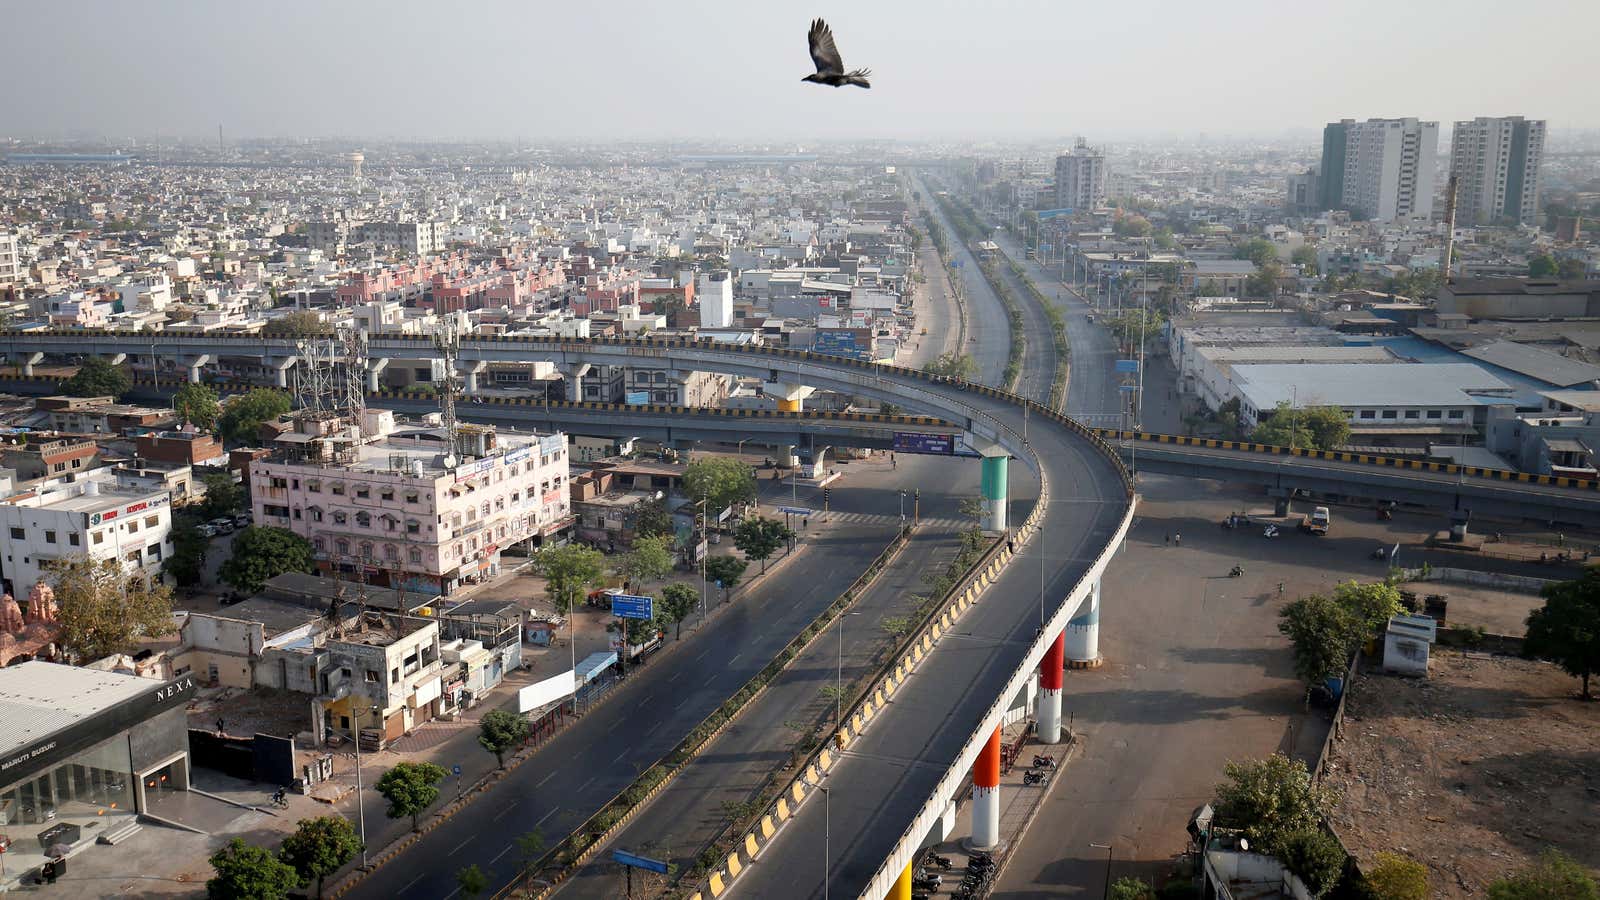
x,y
1370,459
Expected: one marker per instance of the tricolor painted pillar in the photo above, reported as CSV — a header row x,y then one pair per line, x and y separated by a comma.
x,y
1050,671
902,885
1083,632
986,796
994,492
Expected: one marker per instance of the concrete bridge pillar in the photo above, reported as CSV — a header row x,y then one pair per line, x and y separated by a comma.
x,y
29,360
994,492
1280,500
788,459
1083,632
117,359
469,373
986,796
375,369
902,885
1458,524
790,397
283,366
195,364
1050,672
947,821
573,378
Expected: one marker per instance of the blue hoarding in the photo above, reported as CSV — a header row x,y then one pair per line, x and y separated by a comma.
x,y
637,398
625,606
916,442
638,862
1129,366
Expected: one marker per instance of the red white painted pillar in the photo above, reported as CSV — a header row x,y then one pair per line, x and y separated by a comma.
x,y
1049,709
986,796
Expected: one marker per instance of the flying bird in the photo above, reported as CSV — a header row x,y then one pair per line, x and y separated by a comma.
x,y
830,68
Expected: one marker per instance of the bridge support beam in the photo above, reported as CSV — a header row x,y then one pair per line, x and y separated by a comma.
x,y
1050,672
375,369
947,821
195,364
29,360
469,374
986,796
118,359
283,366
573,378
902,885
790,397
1083,632
994,492
1280,500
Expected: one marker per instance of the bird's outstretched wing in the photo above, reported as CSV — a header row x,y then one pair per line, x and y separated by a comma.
x,y
823,52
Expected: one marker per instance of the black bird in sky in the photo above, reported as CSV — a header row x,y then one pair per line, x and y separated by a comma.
x,y
830,68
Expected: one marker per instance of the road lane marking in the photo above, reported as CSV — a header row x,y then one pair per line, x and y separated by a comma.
x,y
502,853
501,814
545,816
735,657
620,754
409,885
458,847
546,778
674,677
613,726
586,784
702,654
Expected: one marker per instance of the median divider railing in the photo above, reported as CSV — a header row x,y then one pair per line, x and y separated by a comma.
x,y
589,837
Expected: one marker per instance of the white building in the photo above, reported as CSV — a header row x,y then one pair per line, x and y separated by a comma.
x,y
1434,399
407,509
1382,169
10,260
1081,178
714,292
90,517
1496,162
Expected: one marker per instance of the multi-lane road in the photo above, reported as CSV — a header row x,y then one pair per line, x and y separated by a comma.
x,y
582,768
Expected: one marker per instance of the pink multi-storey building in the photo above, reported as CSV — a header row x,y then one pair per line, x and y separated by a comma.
x,y
401,510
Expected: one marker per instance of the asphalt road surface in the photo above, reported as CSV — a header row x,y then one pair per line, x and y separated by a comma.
x,y
582,768
988,327
888,774
1092,386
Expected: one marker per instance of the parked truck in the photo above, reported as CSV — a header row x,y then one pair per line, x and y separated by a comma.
x,y
1317,522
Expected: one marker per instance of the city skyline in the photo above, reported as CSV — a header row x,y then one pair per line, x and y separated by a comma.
x,y
641,72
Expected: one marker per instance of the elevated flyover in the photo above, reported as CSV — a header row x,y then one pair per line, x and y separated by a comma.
x,y
1482,492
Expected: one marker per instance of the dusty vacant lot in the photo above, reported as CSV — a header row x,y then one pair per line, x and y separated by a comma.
x,y
1472,771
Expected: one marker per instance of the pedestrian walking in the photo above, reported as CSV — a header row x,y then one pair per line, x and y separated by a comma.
x,y
1167,539
1177,540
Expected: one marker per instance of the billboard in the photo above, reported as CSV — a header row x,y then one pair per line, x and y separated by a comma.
x,y
917,442
637,398
543,693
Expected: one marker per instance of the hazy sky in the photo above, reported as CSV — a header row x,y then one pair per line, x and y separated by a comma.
x,y
539,69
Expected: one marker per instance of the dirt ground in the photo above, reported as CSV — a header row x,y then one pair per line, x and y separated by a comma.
x,y
1472,771
1495,611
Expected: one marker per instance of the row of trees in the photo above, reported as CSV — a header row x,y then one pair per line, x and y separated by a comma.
x,y
1326,629
1310,427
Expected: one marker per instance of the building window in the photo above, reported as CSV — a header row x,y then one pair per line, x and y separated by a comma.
x,y
1413,414
366,550
363,492
73,539
364,519
99,537
1435,414
413,526
1456,414
49,537
411,497
340,517
319,544
343,547
154,552
315,513
372,677
1369,414
414,555
133,525
314,487
1390,414
387,495
152,521
337,488
16,534
281,512
391,552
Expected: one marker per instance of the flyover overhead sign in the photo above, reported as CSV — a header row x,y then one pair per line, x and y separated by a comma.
x,y
626,606
919,442
1129,366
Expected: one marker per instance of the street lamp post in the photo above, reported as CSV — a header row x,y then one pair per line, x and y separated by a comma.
x,y
827,838
838,681
1105,889
902,509
361,809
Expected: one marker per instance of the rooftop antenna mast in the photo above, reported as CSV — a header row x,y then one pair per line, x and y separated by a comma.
x,y
447,341
1449,228
352,340
313,377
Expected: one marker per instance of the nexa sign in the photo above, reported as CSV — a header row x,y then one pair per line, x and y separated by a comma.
x,y
173,689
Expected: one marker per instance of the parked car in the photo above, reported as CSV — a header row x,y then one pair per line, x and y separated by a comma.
x,y
223,525
243,520
206,529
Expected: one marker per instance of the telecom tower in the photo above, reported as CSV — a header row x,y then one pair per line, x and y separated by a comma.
x,y
447,340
